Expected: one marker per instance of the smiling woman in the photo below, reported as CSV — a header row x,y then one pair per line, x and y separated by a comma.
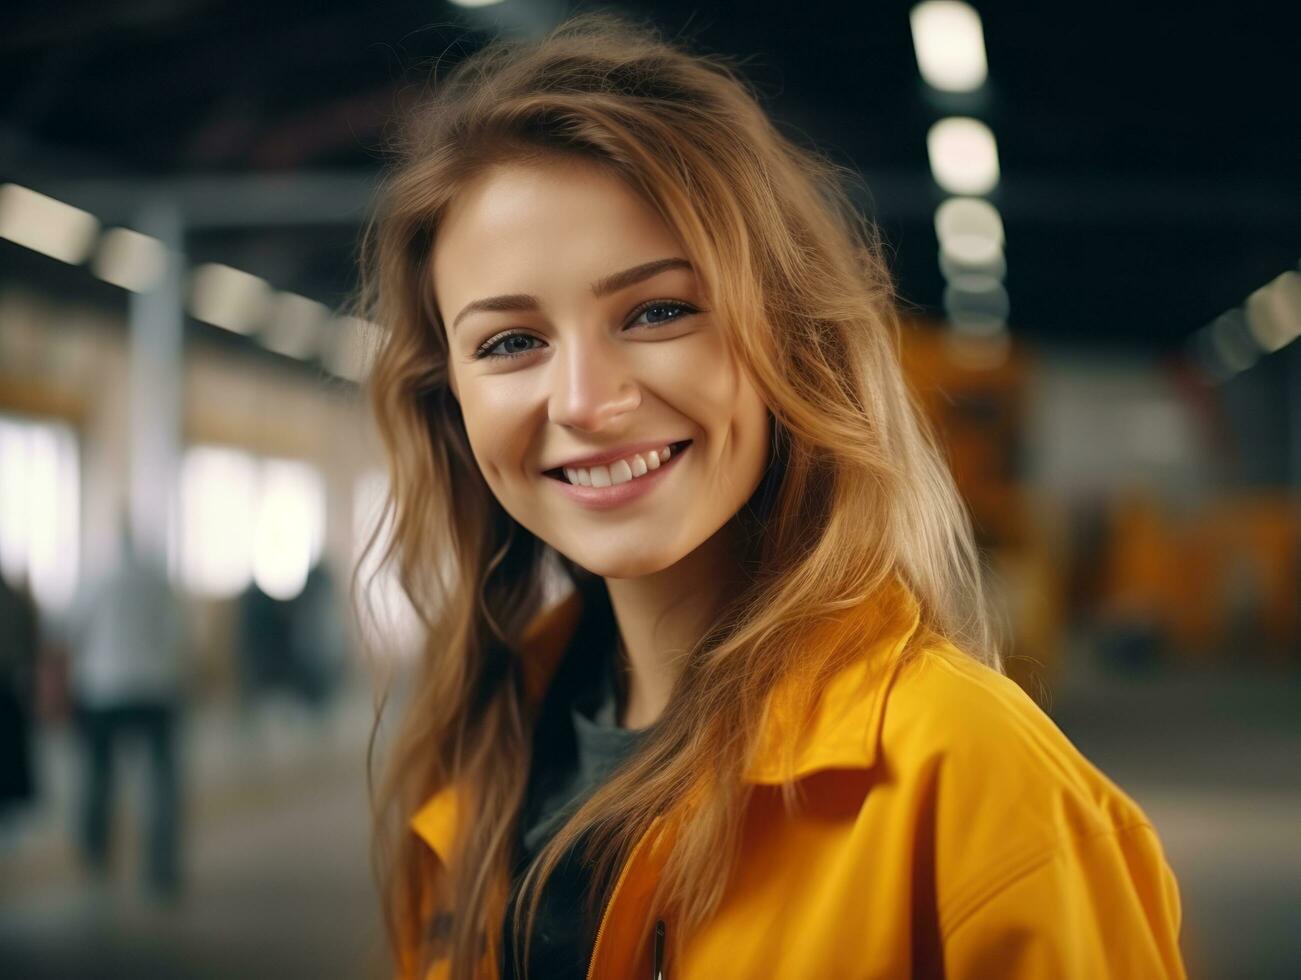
x,y
635,334
572,260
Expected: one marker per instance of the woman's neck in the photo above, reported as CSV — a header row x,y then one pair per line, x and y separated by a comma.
x,y
660,618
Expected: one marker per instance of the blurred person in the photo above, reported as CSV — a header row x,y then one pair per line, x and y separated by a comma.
x,y
19,647
126,682
318,641
265,645
634,334
293,647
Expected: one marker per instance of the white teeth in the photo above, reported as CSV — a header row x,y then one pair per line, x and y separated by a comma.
x,y
621,471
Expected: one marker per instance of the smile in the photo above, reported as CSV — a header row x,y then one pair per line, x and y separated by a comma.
x,y
621,481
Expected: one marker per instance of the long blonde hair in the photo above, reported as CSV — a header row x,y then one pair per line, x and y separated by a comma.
x,y
856,494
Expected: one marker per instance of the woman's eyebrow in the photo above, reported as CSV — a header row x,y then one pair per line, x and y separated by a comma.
x,y
521,302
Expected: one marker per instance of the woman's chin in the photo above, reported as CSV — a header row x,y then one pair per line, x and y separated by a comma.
x,y
608,565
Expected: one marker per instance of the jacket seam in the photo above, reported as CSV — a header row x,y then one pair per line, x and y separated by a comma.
x,y
1018,870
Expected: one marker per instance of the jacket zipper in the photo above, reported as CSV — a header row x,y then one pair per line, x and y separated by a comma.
x,y
657,964
614,895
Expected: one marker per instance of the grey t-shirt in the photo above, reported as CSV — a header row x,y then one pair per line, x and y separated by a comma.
x,y
563,777
600,746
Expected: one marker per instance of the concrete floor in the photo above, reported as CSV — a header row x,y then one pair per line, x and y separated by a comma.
x,y
280,882
1215,760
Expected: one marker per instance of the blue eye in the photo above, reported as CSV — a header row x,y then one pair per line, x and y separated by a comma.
x,y
658,307
487,349
678,310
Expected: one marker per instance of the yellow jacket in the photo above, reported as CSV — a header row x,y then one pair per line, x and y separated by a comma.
x,y
949,829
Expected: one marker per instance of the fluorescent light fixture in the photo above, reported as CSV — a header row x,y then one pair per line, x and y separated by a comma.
x,y
1274,312
294,326
129,259
950,45
229,298
45,225
964,155
970,232
471,4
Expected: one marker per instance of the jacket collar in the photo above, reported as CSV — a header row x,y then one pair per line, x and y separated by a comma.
x,y
843,730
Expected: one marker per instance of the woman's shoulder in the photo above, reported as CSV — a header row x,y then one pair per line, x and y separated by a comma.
x,y
995,749
1021,834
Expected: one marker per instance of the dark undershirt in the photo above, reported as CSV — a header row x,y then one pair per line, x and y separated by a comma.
x,y
569,765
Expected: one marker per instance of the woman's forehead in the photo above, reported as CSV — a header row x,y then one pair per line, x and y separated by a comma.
x,y
520,226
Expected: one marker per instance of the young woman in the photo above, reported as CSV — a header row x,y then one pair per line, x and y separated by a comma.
x,y
637,342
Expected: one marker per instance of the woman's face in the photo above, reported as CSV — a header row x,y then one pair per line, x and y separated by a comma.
x,y
576,328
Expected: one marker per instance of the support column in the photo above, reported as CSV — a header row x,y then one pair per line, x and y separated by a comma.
x,y
156,321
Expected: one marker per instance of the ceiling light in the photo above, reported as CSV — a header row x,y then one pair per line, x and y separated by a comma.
x,y
45,225
970,232
964,155
1274,312
294,326
129,259
229,298
950,45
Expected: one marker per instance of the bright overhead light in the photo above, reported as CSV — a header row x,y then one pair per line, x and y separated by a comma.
x,y
45,225
294,326
229,298
129,259
950,45
474,3
964,155
970,232
1274,312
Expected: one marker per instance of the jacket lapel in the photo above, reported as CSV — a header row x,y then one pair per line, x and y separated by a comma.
x,y
844,729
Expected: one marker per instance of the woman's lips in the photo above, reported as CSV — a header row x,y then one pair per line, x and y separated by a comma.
x,y
602,498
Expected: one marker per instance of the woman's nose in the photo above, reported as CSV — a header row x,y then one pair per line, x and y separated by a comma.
x,y
592,386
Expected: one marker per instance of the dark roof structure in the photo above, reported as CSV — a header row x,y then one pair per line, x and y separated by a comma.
x,y
1149,154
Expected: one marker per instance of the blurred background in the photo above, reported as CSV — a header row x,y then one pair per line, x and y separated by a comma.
x,y
1094,216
